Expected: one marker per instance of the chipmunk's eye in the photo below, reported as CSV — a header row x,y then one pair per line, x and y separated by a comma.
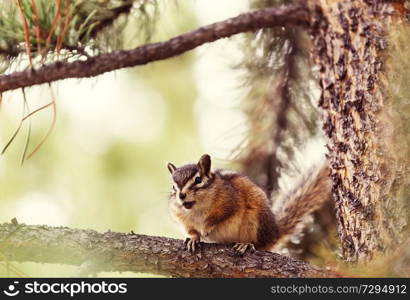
x,y
198,180
173,188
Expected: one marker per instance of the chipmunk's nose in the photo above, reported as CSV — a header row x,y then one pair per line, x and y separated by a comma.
x,y
182,196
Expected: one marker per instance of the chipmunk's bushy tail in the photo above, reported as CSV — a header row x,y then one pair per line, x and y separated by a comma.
x,y
309,195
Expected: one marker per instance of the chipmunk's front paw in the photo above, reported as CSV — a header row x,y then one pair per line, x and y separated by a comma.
x,y
241,248
192,244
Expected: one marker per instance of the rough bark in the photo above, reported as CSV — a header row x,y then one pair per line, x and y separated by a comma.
x,y
348,47
111,251
250,21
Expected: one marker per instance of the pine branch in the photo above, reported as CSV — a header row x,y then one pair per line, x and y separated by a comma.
x,y
109,20
250,21
110,251
270,98
273,163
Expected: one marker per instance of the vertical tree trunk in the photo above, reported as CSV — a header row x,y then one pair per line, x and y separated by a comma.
x,y
348,46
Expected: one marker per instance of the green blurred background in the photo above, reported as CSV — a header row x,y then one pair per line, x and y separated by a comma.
x,y
103,167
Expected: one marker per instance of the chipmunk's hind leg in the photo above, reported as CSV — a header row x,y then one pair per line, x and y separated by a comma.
x,y
241,248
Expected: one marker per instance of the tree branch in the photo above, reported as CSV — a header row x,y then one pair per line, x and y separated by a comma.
x,y
111,251
250,21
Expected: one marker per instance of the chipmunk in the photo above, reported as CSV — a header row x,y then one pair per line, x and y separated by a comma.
x,y
223,206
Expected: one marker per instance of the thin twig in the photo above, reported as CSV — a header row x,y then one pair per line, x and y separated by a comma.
x,y
250,21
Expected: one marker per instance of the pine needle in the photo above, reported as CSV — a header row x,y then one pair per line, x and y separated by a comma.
x,y
37,110
53,26
51,128
36,20
25,117
26,32
61,37
11,139
23,157
14,134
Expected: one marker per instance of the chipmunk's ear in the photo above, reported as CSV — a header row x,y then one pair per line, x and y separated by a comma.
x,y
171,168
204,165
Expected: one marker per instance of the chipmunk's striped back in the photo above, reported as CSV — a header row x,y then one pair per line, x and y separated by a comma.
x,y
227,207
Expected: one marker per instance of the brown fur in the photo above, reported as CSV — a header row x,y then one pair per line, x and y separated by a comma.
x,y
230,208
309,195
